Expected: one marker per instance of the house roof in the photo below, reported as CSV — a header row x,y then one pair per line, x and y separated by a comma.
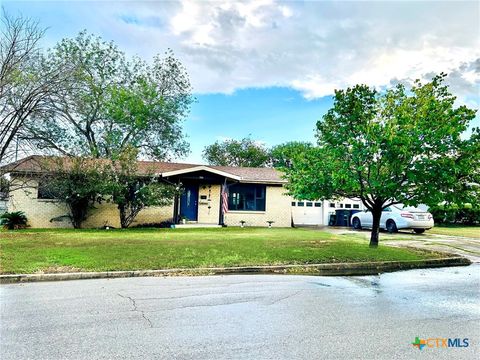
x,y
40,164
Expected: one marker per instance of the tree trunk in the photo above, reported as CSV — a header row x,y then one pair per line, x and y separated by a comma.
x,y
123,216
376,214
78,210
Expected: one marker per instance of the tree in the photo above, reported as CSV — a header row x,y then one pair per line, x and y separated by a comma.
x,y
113,102
284,154
395,147
245,152
78,181
132,191
25,84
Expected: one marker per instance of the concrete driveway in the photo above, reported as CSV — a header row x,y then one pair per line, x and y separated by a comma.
x,y
463,246
466,247
244,317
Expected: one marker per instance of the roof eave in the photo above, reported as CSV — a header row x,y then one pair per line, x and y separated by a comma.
x,y
200,168
273,182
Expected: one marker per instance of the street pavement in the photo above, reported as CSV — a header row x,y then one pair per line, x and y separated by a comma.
x,y
244,317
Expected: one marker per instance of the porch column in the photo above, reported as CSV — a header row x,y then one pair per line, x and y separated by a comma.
x,y
175,209
176,205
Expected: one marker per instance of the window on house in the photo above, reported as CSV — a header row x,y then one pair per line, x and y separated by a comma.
x,y
293,203
356,206
300,203
340,206
317,204
309,204
47,192
332,205
348,206
246,197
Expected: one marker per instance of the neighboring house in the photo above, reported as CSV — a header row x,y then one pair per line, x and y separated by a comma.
x,y
255,195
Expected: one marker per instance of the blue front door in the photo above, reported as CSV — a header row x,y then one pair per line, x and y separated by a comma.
x,y
189,203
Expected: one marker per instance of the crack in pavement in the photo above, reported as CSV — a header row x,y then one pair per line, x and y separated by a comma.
x,y
135,309
208,305
181,297
285,297
229,303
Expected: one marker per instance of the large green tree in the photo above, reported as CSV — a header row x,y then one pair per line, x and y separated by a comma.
x,y
399,146
111,108
284,155
113,102
230,152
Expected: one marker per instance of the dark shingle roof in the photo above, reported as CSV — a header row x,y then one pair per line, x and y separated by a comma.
x,y
37,163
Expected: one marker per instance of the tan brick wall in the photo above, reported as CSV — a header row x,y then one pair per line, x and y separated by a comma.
x,y
277,209
41,212
107,214
154,214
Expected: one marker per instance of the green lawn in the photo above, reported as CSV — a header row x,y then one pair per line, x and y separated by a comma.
x,y
30,251
457,230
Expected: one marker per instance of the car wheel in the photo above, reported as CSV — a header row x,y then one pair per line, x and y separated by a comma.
x,y
357,225
419,231
391,226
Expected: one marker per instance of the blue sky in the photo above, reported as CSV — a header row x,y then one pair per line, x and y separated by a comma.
x,y
268,68
270,115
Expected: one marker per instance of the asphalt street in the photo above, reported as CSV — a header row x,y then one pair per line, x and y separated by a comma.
x,y
244,317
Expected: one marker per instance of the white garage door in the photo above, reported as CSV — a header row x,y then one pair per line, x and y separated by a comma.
x,y
307,213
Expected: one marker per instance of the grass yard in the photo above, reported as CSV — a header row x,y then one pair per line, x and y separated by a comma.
x,y
62,250
457,230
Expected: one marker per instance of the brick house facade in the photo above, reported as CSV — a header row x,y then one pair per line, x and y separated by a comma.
x,y
255,195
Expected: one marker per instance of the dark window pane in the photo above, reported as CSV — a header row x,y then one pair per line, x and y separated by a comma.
x,y
318,204
332,205
300,203
348,206
356,206
309,204
246,197
47,191
260,205
293,203
340,206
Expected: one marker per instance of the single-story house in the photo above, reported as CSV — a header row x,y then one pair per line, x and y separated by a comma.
x,y
254,195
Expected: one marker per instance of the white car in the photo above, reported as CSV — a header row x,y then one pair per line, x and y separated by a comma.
x,y
394,218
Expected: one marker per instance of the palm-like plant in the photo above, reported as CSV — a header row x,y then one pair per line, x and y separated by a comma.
x,y
13,220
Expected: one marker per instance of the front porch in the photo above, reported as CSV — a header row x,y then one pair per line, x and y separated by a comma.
x,y
200,202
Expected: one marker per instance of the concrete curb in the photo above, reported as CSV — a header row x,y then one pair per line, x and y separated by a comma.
x,y
343,269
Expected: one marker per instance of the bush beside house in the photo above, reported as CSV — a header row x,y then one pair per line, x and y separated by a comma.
x,y
466,214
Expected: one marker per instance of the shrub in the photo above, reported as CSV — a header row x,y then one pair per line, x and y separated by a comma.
x,y
453,214
164,225
13,220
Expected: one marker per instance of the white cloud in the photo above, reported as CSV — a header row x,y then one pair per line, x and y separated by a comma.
x,y
314,47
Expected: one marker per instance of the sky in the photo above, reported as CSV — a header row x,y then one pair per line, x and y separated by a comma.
x,y
268,69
